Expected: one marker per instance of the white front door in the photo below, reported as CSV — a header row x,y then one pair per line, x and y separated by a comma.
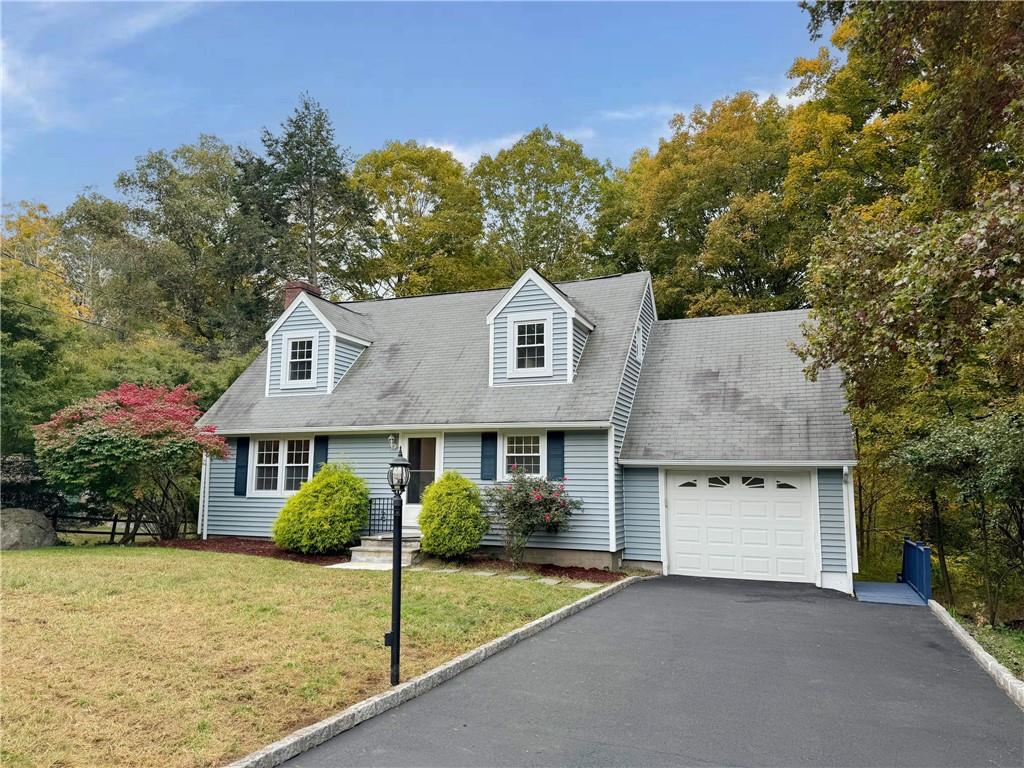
x,y
424,454
741,524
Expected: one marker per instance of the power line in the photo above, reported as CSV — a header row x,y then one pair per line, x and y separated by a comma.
x,y
118,331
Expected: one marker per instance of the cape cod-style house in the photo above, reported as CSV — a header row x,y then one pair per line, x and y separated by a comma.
x,y
697,446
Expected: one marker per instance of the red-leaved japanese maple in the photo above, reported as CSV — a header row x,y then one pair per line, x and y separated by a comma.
x,y
136,447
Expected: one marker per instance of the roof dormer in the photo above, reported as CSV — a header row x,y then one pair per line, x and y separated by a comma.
x,y
536,334
312,345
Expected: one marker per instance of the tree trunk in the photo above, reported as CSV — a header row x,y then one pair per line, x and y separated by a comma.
x,y
940,546
990,603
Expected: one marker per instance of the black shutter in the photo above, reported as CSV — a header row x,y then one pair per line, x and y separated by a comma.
x,y
319,452
241,465
488,455
556,455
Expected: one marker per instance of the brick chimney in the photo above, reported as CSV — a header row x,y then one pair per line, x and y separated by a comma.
x,y
294,287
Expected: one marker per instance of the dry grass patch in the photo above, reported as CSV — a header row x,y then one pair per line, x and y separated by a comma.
x,y
160,657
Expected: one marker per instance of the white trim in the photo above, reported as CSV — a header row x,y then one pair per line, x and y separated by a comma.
x,y
284,382
852,559
816,527
663,500
282,459
403,442
489,426
204,498
547,318
753,463
305,299
611,489
545,285
491,330
502,473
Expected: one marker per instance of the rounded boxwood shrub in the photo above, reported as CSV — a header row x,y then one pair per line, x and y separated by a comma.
x,y
326,514
452,521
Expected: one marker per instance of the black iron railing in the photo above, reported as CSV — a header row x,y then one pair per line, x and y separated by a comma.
x,y
381,515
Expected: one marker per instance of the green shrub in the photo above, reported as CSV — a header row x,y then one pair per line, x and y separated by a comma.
x,y
452,521
326,514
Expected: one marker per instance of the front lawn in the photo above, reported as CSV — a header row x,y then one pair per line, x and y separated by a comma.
x,y
163,657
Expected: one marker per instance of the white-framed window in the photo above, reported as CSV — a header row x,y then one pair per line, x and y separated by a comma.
x,y
524,450
529,344
279,465
299,352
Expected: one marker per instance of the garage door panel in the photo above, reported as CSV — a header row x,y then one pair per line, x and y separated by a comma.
x,y
758,529
793,539
757,566
721,535
723,565
753,510
754,537
790,510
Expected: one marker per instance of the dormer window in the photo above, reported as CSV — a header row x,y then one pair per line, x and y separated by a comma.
x,y
300,360
300,353
529,345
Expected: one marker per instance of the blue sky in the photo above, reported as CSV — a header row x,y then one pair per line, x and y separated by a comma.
x,y
88,87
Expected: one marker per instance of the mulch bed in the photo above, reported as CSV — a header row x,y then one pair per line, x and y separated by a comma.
x,y
239,545
567,572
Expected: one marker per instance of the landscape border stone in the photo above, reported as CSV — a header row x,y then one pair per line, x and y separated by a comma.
x,y
1004,678
313,735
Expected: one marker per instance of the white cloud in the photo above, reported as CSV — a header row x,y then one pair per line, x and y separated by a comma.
x,y
50,52
469,152
584,133
783,95
642,112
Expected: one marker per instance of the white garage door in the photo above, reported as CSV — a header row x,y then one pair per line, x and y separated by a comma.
x,y
748,524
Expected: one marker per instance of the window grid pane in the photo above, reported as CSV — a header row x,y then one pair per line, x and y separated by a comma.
x,y
267,454
530,345
523,452
300,360
296,464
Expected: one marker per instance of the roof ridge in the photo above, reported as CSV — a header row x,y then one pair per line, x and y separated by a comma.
x,y
732,317
504,288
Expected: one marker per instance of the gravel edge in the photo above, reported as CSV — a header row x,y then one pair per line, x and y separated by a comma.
x,y
311,736
1004,678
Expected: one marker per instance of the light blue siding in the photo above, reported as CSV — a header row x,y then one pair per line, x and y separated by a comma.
x,y
833,521
368,455
624,403
345,355
579,341
301,319
531,299
586,466
230,515
642,513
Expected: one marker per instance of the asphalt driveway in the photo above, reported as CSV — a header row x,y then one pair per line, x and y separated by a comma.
x,y
681,671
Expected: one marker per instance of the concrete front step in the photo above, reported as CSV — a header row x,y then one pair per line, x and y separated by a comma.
x,y
379,549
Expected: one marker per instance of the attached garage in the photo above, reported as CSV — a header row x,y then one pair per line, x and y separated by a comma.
x,y
747,524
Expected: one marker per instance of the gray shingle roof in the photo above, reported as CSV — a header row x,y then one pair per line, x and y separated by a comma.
x,y
428,365
730,389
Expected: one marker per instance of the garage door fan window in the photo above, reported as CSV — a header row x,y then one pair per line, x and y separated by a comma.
x,y
753,482
719,481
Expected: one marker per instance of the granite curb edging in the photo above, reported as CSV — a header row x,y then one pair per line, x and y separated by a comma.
x,y
1004,678
313,735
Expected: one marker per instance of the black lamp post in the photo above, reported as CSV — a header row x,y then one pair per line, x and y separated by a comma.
x,y
398,479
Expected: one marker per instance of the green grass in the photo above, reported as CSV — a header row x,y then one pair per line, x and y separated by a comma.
x,y
1006,644
163,657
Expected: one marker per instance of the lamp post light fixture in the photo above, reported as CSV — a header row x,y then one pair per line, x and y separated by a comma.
x,y
398,478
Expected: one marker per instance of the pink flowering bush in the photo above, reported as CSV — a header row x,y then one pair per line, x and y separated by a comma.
x,y
135,447
524,504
